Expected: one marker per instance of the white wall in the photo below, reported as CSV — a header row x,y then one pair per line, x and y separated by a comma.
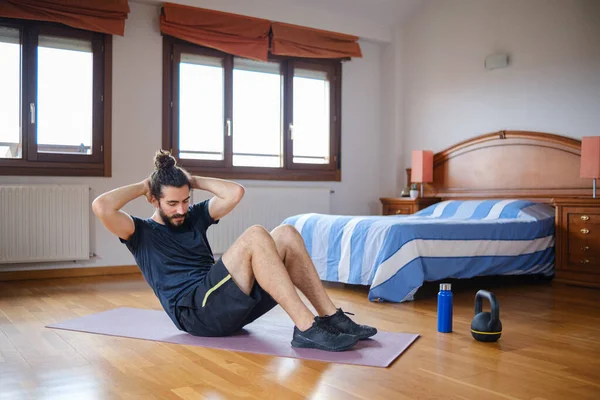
x,y
136,133
391,173
389,130
551,85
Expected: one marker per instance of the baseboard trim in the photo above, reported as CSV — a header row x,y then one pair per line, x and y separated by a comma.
x,y
68,273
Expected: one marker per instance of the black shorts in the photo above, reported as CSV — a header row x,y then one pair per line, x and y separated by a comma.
x,y
218,307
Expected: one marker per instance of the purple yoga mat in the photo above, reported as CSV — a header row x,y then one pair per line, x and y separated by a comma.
x,y
270,334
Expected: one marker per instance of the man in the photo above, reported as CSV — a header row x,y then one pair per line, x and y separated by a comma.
x,y
259,271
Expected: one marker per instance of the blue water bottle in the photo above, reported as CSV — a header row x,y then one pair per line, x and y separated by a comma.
x,y
445,308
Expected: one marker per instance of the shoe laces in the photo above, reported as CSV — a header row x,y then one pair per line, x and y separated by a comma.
x,y
349,320
326,327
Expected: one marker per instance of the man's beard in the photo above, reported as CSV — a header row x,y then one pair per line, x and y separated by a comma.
x,y
169,220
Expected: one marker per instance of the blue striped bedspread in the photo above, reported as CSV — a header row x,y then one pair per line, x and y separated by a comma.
x,y
395,255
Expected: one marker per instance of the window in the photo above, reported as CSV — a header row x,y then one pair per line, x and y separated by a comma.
x,y
257,89
202,108
232,117
53,101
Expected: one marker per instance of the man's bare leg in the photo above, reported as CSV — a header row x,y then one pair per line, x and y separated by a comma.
x,y
303,274
254,255
301,269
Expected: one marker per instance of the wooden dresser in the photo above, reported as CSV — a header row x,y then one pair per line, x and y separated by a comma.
x,y
406,205
578,240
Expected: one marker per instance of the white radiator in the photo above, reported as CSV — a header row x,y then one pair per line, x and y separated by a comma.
x,y
44,223
266,206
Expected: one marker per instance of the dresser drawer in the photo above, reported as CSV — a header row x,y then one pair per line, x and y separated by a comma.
x,y
401,210
584,224
406,206
583,249
589,263
577,222
592,217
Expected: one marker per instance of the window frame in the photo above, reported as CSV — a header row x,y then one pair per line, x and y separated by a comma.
x,y
224,169
36,163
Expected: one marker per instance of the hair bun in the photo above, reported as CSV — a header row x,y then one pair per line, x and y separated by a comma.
x,y
163,159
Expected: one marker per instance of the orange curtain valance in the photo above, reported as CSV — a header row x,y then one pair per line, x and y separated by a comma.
x,y
299,41
230,33
105,16
249,37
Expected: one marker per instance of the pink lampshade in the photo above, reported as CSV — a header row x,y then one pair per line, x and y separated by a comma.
x,y
422,166
590,157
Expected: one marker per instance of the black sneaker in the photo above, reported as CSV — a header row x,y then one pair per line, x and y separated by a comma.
x,y
343,323
323,337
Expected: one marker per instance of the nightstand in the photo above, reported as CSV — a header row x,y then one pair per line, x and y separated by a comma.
x,y
577,244
406,205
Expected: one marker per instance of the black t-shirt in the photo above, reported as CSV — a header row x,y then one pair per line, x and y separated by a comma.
x,y
173,260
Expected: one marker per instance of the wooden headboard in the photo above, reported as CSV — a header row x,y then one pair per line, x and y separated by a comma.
x,y
509,164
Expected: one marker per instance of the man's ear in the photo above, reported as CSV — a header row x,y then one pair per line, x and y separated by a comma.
x,y
155,202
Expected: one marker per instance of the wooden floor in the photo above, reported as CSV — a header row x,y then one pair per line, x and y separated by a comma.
x,y
550,349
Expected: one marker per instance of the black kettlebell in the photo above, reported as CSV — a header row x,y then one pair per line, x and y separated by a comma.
x,y
486,326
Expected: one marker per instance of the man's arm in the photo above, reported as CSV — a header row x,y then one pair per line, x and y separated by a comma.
x,y
227,194
107,208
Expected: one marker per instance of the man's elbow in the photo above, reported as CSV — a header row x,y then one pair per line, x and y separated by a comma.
x,y
98,206
238,193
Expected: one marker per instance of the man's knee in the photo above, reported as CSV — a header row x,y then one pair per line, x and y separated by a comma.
x,y
256,235
286,234
256,231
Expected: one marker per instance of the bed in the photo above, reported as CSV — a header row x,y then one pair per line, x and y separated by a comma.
x,y
495,218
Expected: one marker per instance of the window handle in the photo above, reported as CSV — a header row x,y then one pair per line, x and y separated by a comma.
x,y
32,112
228,123
291,130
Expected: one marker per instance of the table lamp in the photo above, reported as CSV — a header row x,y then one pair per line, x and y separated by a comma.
x,y
422,167
590,159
